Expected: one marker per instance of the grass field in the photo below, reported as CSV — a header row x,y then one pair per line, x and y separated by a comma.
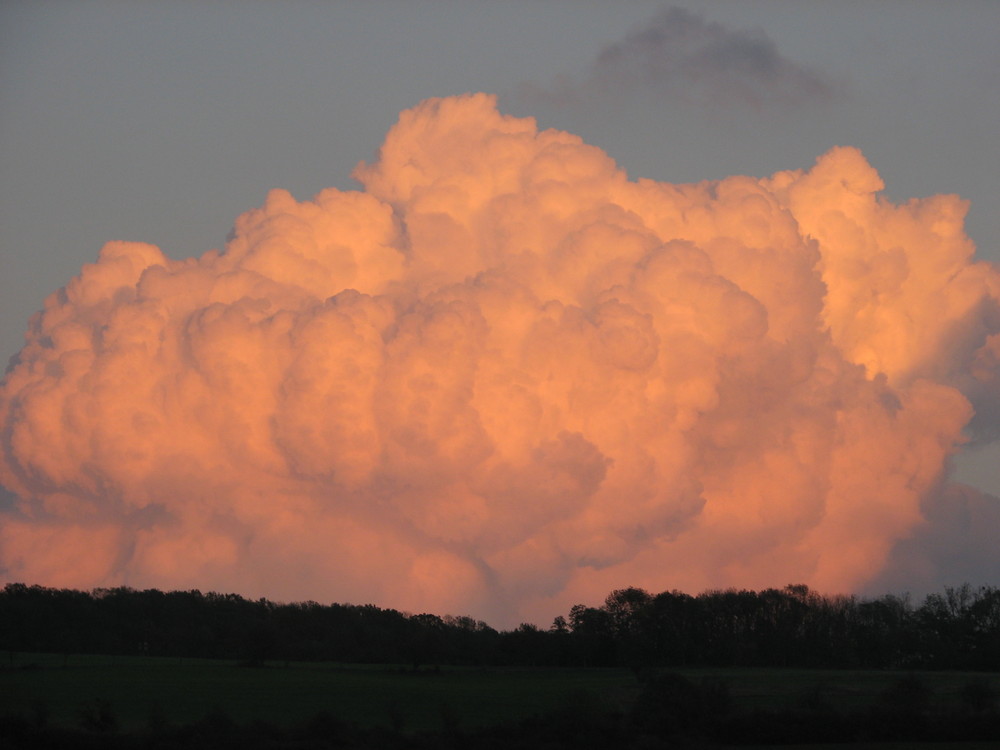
x,y
181,691
186,690
844,690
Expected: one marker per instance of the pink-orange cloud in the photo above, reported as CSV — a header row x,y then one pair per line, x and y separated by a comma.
x,y
502,378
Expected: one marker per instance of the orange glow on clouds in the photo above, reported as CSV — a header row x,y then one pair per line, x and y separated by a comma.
x,y
501,379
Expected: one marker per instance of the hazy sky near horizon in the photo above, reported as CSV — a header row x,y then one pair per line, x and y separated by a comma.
x,y
162,122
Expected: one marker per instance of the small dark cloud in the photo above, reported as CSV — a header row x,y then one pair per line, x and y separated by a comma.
x,y
680,55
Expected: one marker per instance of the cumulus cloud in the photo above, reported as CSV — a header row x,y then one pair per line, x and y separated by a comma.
x,y
679,55
501,378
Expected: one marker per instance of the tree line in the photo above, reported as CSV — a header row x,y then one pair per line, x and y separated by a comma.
x,y
790,627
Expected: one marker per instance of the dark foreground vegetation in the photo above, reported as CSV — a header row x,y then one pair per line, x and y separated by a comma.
x,y
125,668
790,627
158,702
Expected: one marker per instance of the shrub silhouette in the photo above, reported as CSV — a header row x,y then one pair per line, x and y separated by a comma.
x,y
978,695
901,710
671,705
907,696
98,716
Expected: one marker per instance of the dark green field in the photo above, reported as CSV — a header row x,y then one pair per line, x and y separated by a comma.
x,y
186,690
141,690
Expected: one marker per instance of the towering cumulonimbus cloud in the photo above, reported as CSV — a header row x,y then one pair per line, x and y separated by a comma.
x,y
503,378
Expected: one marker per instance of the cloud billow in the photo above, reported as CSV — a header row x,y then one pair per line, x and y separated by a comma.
x,y
501,378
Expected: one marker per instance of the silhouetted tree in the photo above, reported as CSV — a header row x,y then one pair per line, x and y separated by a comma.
x,y
593,635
